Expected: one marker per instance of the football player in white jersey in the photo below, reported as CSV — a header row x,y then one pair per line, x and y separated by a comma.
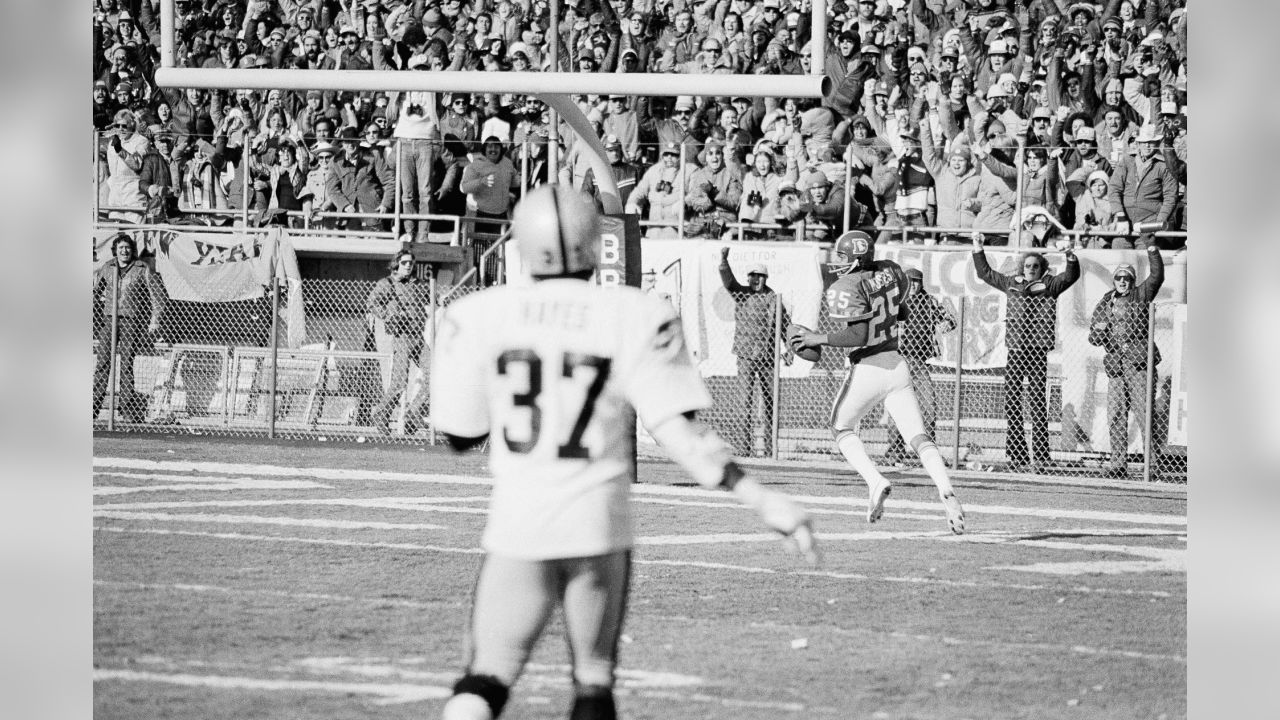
x,y
552,371
869,300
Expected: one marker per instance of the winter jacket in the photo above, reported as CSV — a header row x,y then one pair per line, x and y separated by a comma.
x,y
1124,336
1031,318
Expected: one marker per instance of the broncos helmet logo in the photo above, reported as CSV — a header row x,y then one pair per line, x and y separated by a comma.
x,y
852,250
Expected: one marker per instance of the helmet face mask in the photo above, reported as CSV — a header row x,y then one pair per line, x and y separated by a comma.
x,y
556,231
852,250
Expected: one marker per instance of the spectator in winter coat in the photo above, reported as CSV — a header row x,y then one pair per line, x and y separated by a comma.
x,y
1093,210
1119,324
1031,331
955,181
662,188
1144,191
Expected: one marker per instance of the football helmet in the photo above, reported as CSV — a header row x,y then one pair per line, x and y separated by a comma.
x,y
852,250
556,231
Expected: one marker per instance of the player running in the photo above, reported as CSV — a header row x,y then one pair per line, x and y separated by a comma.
x,y
553,371
869,297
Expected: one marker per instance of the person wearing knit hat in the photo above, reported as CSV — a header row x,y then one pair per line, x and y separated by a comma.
x,y
1119,325
819,202
1091,209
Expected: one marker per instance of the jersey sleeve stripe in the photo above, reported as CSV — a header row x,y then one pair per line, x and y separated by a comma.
x,y
852,318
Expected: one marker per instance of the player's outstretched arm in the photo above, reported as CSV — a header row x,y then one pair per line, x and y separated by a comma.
x,y
708,459
852,335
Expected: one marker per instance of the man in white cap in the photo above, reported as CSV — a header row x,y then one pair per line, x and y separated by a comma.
x,y
1144,191
756,332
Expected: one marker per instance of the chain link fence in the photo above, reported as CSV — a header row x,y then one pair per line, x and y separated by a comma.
x,y
228,368
1052,412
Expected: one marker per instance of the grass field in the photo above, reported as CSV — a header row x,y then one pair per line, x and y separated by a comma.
x,y
242,579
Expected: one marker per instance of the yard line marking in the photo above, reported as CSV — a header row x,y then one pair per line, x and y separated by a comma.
x,y
793,630
305,541
105,490
630,682
280,471
261,520
388,694
176,478
640,492
825,574
381,503
218,589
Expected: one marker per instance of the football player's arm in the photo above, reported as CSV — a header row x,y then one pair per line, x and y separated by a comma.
x,y
853,334
459,399
707,458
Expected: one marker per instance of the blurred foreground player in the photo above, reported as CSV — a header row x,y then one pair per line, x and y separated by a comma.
x,y
869,297
553,370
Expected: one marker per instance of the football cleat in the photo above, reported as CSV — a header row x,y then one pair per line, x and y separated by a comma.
x,y
875,507
955,513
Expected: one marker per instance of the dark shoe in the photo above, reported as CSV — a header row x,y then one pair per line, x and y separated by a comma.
x,y
1116,472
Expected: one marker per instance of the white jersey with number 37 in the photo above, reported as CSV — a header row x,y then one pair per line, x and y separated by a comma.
x,y
551,372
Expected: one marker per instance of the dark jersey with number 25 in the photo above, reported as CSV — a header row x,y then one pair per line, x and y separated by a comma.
x,y
877,295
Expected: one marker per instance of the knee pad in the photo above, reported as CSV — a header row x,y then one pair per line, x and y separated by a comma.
x,y
593,702
487,687
841,433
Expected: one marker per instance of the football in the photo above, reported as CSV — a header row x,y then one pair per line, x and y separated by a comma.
x,y
793,341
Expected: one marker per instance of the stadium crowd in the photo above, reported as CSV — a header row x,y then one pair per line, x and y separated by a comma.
x,y
948,114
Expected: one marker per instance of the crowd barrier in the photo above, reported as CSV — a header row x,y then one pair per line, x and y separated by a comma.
x,y
295,357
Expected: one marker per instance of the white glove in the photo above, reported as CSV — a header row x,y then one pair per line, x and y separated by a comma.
x,y
783,515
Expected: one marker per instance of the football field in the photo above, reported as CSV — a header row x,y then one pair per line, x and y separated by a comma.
x,y
250,579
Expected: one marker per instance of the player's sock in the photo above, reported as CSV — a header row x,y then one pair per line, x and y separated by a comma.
x,y
855,453
931,459
593,702
476,697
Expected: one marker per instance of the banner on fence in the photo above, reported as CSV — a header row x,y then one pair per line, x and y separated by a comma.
x,y
688,273
219,267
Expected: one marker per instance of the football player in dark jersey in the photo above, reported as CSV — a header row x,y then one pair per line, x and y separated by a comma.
x,y
868,300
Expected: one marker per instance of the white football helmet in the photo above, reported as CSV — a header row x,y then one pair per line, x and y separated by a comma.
x,y
557,231
852,250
